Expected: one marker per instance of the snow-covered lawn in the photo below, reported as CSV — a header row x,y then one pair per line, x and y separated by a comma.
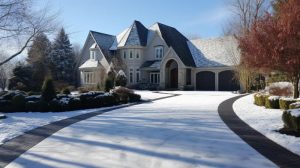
x,y
17,123
266,121
182,131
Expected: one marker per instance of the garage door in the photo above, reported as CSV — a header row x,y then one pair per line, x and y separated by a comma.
x,y
205,80
227,81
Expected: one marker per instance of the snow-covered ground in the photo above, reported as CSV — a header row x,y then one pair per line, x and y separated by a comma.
x,y
17,123
182,131
266,121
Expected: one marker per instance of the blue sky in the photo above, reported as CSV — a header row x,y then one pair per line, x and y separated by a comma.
x,y
204,18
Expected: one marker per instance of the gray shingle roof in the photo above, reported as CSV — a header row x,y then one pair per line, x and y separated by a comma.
x,y
136,35
216,52
178,42
153,65
104,41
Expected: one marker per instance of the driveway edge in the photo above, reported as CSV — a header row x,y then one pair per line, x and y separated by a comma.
x,y
268,148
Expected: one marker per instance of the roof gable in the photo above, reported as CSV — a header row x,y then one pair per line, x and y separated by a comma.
x,y
178,42
137,36
104,42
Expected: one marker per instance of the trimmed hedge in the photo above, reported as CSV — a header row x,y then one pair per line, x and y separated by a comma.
x,y
294,105
285,103
291,123
272,102
260,99
64,102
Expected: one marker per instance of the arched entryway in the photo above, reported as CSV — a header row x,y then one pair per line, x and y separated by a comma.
x,y
227,81
171,74
205,80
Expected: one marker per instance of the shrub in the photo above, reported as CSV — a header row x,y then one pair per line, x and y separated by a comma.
x,y
48,90
122,93
109,84
121,80
291,120
75,104
294,105
30,93
280,89
6,106
66,91
19,103
134,97
284,103
272,102
260,99
55,105
37,106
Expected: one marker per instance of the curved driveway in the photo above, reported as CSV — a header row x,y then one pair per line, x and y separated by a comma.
x,y
183,131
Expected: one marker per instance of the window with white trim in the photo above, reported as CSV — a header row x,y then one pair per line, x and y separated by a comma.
x,y
159,50
130,54
89,77
155,78
137,73
92,54
131,76
137,54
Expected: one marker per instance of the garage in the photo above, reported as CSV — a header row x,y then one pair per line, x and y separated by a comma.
x,y
205,80
227,81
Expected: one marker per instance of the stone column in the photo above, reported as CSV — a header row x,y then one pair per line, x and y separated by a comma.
x,y
216,81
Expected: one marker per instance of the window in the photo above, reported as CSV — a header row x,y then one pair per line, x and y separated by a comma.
x,y
88,77
93,54
154,78
137,73
131,76
130,54
137,54
159,52
124,54
188,76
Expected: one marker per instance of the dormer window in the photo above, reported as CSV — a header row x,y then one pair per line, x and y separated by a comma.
x,y
93,54
159,52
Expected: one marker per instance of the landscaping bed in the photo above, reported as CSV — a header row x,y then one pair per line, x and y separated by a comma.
x,y
266,121
18,101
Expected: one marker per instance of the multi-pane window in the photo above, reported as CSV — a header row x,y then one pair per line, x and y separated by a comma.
x,y
93,54
131,76
159,50
137,73
154,78
88,77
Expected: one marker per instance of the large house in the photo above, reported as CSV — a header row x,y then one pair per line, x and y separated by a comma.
x,y
160,55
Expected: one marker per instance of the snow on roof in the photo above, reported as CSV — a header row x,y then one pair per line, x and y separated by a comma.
x,y
216,52
118,39
90,64
93,46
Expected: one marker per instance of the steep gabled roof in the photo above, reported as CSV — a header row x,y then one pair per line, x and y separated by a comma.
x,y
104,41
136,35
178,42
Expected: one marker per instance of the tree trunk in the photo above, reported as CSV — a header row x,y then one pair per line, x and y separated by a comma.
x,y
296,88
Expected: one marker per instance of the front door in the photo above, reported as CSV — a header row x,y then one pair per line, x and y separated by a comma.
x,y
174,78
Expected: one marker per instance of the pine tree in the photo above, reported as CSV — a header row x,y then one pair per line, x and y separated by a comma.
x,y
62,60
37,59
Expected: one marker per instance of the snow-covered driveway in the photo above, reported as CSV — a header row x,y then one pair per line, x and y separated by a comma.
x,y
183,131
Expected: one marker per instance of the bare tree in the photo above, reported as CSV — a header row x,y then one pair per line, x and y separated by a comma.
x,y
19,24
5,71
245,13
